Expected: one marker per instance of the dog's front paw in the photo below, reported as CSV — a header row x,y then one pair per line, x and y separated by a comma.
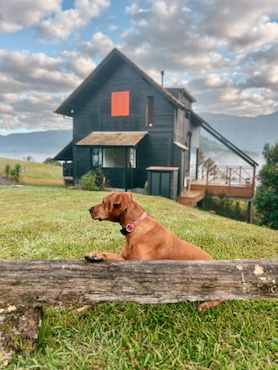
x,y
95,257
208,305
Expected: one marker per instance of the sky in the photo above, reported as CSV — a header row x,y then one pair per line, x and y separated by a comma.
x,y
225,52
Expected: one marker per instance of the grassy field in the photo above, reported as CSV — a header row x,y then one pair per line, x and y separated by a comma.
x,y
34,173
54,223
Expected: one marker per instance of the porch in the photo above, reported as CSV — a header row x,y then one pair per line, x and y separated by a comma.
x,y
233,182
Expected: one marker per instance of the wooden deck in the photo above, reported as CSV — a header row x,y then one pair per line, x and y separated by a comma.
x,y
228,182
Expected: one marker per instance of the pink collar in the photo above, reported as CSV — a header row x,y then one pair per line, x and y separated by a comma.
x,y
130,227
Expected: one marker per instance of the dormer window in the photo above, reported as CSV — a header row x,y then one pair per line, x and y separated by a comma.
x,y
120,103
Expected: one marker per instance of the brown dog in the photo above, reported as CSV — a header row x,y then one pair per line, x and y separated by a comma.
x,y
146,238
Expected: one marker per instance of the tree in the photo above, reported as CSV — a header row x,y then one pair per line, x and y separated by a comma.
x,y
29,158
207,165
52,162
266,197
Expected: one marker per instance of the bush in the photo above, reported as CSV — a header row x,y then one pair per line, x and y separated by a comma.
x,y
93,181
13,173
7,171
226,207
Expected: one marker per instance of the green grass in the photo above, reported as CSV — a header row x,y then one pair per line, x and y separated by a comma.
x,y
34,173
54,223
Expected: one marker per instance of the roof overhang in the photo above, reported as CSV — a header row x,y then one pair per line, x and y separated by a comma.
x,y
65,154
110,139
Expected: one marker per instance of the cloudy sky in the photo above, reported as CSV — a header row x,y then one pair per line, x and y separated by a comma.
x,y
225,52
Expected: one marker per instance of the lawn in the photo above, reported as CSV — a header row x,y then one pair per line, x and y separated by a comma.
x,y
54,223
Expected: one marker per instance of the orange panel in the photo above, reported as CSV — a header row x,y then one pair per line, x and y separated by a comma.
x,y
120,103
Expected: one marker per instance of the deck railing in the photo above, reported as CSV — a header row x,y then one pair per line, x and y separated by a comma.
x,y
240,176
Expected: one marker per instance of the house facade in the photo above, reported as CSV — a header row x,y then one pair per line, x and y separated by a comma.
x,y
124,122
129,125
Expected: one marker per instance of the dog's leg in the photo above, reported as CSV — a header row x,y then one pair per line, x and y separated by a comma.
x,y
208,305
99,256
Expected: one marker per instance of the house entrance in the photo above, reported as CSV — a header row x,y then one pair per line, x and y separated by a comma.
x,y
114,157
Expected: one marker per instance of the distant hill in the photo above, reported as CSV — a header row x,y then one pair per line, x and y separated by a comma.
x,y
247,133
38,145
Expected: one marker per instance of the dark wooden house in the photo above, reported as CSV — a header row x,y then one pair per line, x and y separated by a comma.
x,y
133,128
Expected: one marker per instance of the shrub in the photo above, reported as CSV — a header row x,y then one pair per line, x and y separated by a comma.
x,y
93,181
15,173
226,207
7,171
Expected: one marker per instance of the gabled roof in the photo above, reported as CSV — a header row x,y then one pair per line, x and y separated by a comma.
x,y
101,73
108,138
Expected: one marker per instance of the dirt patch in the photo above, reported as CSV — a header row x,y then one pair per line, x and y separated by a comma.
x,y
4,181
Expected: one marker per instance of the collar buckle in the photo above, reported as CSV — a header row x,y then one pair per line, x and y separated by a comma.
x,y
130,227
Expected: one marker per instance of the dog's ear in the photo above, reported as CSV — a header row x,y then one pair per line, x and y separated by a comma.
x,y
120,200
115,201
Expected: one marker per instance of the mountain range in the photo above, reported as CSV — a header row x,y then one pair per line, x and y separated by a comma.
x,y
38,145
248,133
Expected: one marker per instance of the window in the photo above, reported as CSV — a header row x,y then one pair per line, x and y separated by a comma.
x,y
119,157
132,157
96,157
120,103
149,111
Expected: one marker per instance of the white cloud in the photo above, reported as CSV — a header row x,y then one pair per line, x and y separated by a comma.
x,y
18,14
48,17
31,88
99,45
65,22
224,52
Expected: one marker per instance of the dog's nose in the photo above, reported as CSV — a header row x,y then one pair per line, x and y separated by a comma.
x,y
90,209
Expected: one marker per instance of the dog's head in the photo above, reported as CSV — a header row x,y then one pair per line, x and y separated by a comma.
x,y
112,207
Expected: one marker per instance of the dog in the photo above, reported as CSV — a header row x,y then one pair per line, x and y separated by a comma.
x,y
146,238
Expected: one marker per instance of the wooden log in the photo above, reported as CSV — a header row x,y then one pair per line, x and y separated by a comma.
x,y
60,283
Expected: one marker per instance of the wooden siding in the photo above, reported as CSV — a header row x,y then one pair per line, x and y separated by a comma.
x,y
95,114
156,149
121,178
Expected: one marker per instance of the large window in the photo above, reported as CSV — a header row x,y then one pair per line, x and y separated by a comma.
x,y
149,111
114,157
120,103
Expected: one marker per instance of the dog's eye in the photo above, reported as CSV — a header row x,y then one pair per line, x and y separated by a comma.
x,y
103,204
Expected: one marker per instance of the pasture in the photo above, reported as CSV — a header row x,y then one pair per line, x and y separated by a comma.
x,y
54,223
34,173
